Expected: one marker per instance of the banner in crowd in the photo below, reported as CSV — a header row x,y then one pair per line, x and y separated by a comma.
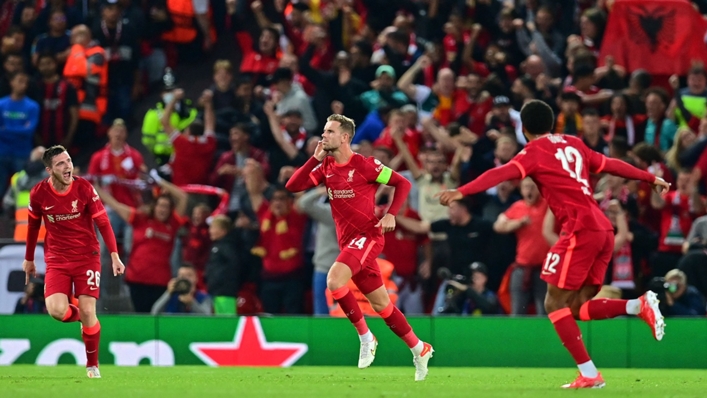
x,y
663,37
132,340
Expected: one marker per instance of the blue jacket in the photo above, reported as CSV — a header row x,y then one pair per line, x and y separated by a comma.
x,y
18,120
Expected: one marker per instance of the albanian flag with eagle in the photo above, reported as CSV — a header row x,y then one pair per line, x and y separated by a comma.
x,y
663,37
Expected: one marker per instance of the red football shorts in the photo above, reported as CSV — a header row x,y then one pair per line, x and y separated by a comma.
x,y
85,276
360,256
579,259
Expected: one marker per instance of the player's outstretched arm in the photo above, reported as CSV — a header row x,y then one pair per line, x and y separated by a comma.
x,y
490,178
302,179
622,169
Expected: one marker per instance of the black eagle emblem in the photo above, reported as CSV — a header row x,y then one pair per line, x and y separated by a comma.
x,y
654,28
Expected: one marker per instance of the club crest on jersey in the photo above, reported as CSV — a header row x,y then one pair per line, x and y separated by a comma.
x,y
75,206
50,218
351,173
331,195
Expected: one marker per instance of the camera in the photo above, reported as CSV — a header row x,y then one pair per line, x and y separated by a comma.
x,y
182,286
453,297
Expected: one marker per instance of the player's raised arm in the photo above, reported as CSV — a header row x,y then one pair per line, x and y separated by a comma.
x,y
491,178
303,178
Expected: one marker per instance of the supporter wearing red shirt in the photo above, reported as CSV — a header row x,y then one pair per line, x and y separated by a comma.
x,y
118,161
396,124
195,147
282,232
263,62
196,245
525,219
679,209
229,167
154,234
470,106
648,157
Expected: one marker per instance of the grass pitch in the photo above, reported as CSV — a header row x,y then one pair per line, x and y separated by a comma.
x,y
28,381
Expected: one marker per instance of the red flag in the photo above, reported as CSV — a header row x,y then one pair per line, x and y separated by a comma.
x,y
662,36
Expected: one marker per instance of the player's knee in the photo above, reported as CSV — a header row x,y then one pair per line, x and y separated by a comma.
x,y
57,311
87,312
337,276
553,303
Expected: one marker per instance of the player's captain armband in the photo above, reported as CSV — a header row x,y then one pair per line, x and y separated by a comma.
x,y
384,175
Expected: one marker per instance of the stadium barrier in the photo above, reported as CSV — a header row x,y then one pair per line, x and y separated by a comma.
x,y
283,341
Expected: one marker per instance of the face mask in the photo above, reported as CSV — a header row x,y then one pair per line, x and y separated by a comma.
x,y
167,98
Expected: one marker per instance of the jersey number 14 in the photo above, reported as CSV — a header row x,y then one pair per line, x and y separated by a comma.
x,y
572,162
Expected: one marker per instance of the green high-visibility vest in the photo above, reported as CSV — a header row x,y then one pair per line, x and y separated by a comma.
x,y
153,135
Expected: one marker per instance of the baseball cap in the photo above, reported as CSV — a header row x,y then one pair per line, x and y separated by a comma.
x,y
501,100
385,69
479,267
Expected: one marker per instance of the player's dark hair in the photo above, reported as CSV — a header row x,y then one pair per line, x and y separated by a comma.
x,y
537,117
647,153
347,125
50,153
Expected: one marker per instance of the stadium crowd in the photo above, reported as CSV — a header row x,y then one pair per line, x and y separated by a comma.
x,y
435,88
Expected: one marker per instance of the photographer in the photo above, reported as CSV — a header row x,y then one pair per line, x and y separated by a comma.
x,y
33,300
677,297
466,295
182,297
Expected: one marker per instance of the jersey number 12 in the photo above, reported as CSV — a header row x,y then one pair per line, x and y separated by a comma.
x,y
568,156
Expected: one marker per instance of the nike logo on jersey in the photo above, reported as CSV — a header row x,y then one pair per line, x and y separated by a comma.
x,y
329,175
48,207
92,288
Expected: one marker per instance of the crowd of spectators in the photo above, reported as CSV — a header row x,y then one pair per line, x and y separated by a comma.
x,y
435,88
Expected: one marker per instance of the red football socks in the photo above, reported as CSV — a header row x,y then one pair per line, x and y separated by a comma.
x,y
91,338
602,309
348,303
570,335
399,325
72,314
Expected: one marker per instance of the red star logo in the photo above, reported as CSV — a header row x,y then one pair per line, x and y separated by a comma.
x,y
249,348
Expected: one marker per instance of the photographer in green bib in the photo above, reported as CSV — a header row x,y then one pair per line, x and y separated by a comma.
x,y
155,139
690,103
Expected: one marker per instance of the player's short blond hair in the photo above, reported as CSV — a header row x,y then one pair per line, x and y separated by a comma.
x,y
222,222
346,124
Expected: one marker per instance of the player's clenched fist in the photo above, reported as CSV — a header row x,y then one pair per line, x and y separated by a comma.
x,y
660,186
449,196
387,223
29,269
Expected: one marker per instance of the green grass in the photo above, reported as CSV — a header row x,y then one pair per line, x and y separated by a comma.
x,y
22,381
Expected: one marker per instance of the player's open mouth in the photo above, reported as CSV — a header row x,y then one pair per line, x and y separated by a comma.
x,y
67,175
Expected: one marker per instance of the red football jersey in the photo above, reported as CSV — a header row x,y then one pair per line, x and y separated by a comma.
x,y
352,188
68,217
560,166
